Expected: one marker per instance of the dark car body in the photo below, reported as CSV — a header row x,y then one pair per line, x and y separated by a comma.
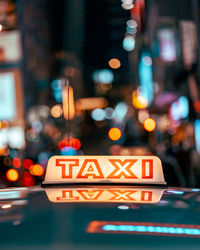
x,y
31,219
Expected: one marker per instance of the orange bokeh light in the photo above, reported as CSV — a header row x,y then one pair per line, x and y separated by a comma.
x,y
36,170
12,175
114,63
16,162
149,124
56,111
139,101
68,103
114,134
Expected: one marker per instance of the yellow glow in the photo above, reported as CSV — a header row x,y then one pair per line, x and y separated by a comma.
x,y
149,124
5,124
114,63
114,134
116,169
12,175
91,103
68,103
139,101
6,206
56,111
36,170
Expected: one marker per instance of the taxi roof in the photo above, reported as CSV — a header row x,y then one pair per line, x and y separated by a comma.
x,y
29,220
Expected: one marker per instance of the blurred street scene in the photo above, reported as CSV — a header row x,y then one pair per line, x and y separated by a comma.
x,y
104,77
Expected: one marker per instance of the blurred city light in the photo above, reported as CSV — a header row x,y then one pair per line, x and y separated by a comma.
x,y
138,100
105,76
36,170
32,135
68,151
70,142
167,45
16,162
146,77
127,4
114,63
197,134
109,113
16,138
8,99
27,163
120,111
91,103
98,114
114,134
147,60
27,180
131,27
37,126
12,175
180,108
6,206
57,86
149,124
7,161
143,114
128,43
56,111
68,103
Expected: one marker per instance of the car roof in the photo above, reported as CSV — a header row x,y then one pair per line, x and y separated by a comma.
x,y
29,220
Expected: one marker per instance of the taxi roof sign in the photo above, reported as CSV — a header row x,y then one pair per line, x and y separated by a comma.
x,y
104,169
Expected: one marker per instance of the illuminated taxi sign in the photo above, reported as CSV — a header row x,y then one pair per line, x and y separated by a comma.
x,y
104,169
105,194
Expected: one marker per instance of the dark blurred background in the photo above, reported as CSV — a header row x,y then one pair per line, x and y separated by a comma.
x,y
117,77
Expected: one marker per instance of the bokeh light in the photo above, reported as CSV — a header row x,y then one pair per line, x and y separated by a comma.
x,y
27,163
68,102
68,151
76,144
27,180
149,124
104,76
114,63
98,114
128,43
147,60
36,170
109,113
114,134
120,111
16,162
7,161
70,142
139,101
143,114
12,175
56,111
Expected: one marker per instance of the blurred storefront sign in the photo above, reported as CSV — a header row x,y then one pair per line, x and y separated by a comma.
x,y
167,45
189,42
10,46
11,109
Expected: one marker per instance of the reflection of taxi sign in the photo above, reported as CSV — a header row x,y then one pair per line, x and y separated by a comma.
x,y
104,169
104,194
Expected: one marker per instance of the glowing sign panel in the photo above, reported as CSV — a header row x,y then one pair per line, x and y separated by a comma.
x,y
104,169
105,194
